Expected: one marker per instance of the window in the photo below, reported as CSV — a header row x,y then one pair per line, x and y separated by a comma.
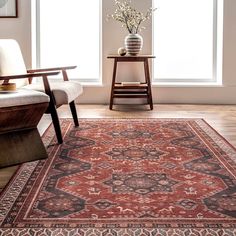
x,y
68,34
185,40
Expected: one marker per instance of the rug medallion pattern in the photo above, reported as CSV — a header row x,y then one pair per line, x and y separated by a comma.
x,y
126,177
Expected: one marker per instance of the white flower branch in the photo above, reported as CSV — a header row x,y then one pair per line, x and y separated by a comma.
x,y
129,16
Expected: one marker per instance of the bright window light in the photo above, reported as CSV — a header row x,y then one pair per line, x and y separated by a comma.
x,y
184,40
68,34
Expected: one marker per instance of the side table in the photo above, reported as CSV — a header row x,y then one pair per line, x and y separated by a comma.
x,y
132,90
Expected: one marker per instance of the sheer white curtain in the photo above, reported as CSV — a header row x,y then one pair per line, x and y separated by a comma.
x,y
68,33
184,39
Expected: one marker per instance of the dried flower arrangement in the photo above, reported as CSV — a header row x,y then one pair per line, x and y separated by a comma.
x,y
129,16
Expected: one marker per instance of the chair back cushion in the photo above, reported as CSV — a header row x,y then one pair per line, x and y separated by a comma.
x,y
11,61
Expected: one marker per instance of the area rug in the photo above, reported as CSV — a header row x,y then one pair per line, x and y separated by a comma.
x,y
126,177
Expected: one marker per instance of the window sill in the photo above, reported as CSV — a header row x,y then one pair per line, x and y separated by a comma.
x,y
91,84
187,84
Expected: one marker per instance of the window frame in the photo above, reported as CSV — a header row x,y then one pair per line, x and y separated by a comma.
x,y
217,45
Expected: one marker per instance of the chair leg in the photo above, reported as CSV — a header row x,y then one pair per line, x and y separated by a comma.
x,y
74,113
56,122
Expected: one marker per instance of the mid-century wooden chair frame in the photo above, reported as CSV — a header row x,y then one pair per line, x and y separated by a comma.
x,y
44,73
52,104
59,92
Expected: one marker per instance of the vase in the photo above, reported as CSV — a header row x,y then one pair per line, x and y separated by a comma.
x,y
133,44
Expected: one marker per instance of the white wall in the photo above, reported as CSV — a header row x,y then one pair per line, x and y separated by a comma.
x,y
113,36
19,29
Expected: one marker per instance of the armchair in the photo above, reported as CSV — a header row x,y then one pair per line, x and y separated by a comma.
x,y
59,92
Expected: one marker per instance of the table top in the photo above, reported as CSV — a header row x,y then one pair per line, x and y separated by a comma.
x,y
127,57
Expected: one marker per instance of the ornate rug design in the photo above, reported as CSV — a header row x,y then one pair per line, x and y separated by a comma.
x,y
126,177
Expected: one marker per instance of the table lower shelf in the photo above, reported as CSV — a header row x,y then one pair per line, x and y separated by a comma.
x,y
131,91
130,96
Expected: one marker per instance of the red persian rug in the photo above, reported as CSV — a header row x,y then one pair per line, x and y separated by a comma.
x,y
126,177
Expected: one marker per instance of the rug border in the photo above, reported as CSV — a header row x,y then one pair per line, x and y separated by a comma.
x,y
225,139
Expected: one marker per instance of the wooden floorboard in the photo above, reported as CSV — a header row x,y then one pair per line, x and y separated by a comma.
x,y
221,117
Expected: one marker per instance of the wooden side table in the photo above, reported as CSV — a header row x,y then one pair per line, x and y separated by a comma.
x,y
125,90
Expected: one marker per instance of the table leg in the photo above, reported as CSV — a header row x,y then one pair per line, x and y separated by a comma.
x,y
113,83
148,81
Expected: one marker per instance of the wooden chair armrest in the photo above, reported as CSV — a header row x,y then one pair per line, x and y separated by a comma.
x,y
62,69
28,75
51,69
44,76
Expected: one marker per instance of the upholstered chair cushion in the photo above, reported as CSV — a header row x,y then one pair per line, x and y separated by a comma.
x,y
11,61
22,97
63,91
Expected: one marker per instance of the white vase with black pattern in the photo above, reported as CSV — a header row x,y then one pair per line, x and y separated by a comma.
x,y
133,44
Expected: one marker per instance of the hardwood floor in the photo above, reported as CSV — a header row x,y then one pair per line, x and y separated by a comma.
x,y
221,117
